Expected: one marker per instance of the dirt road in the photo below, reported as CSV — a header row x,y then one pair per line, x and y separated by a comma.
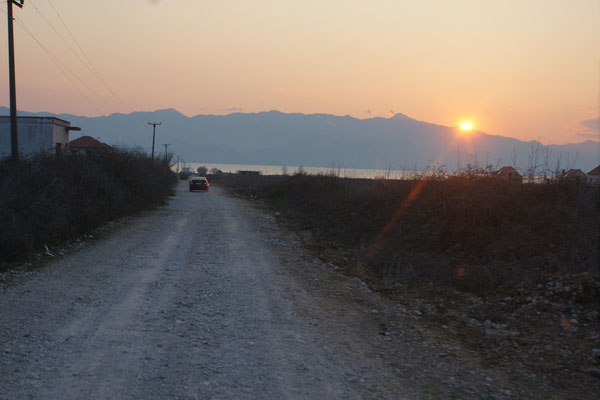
x,y
208,298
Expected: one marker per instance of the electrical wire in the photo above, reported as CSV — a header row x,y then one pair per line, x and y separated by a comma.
x,y
88,59
112,106
61,67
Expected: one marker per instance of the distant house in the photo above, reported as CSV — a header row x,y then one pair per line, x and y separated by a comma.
x,y
241,172
576,175
36,135
509,174
87,144
594,176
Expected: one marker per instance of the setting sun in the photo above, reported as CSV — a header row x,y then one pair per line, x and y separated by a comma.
x,y
466,126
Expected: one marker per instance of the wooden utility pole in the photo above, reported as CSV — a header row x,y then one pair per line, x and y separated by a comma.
x,y
14,136
166,149
153,134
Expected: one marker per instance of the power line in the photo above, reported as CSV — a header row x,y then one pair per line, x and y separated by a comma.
x,y
61,66
58,63
72,50
98,74
54,29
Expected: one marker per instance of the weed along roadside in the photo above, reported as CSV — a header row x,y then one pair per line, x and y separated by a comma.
x,y
49,199
507,270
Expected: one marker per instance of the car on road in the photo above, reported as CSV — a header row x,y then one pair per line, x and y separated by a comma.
x,y
199,183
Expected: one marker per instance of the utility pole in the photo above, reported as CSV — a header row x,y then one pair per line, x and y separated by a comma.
x,y
14,137
178,157
153,134
166,149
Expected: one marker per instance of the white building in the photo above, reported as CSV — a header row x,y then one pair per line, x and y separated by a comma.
x,y
36,134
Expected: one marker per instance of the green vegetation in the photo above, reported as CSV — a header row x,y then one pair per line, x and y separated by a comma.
x,y
49,199
469,231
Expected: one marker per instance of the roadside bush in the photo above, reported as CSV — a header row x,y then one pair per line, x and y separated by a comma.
x,y
48,199
473,232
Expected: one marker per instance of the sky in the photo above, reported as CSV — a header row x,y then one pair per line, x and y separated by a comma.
x,y
525,69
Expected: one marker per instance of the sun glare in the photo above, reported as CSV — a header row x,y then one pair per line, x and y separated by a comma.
x,y
466,126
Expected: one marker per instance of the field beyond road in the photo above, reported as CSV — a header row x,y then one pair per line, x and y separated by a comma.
x,y
209,298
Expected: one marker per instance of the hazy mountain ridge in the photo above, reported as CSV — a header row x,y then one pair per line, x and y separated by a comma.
x,y
276,138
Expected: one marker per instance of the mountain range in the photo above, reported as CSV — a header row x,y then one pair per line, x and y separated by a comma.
x,y
324,140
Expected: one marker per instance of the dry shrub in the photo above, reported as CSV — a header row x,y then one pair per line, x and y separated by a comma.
x,y
48,199
474,232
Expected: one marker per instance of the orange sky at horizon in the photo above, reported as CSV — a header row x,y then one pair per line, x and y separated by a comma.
x,y
529,70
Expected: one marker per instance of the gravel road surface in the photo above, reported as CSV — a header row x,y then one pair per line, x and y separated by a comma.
x,y
208,299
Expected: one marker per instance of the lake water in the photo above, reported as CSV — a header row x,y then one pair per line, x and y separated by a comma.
x,y
279,169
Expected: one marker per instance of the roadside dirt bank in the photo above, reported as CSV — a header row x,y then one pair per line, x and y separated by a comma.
x,y
543,333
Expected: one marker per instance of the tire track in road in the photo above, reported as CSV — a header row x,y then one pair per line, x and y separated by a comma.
x,y
116,339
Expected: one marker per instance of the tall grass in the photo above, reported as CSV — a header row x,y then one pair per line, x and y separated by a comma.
x,y
47,199
470,231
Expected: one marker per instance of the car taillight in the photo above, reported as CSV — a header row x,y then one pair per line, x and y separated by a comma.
x,y
191,183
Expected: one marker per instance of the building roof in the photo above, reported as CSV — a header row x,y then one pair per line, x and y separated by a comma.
x,y
506,170
37,119
88,142
595,171
575,172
